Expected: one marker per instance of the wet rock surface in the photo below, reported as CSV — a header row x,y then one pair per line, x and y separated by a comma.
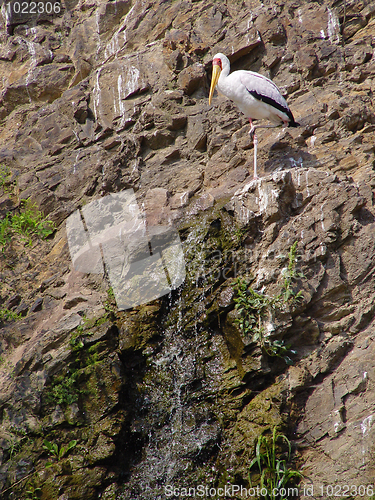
x,y
112,96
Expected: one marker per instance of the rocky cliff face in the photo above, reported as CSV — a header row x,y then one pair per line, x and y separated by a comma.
x,y
108,97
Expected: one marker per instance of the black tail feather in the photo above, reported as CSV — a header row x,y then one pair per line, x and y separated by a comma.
x,y
293,123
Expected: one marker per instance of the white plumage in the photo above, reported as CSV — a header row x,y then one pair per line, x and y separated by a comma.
x,y
254,94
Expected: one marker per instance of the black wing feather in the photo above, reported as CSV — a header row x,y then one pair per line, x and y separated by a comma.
x,y
276,105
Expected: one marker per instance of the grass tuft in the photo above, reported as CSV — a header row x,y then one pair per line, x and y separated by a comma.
x,y
29,223
276,477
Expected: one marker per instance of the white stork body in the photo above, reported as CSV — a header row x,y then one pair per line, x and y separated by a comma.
x,y
255,95
238,87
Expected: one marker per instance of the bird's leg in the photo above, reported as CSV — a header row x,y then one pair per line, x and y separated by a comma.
x,y
252,128
255,139
255,142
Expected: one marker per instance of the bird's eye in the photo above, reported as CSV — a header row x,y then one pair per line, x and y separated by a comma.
x,y
217,62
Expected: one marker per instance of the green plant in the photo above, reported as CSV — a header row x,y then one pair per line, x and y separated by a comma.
x,y
64,390
5,232
76,342
111,294
5,175
8,315
57,452
33,492
253,308
287,293
110,302
31,222
275,475
28,223
92,355
17,441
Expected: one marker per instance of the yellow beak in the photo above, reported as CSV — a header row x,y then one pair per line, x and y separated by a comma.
x,y
215,76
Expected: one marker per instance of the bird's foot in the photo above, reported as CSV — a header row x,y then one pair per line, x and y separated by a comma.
x,y
254,137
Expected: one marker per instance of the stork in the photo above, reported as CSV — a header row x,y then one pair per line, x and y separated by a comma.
x,y
254,94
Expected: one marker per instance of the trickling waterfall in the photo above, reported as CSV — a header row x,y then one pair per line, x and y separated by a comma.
x,y
184,370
